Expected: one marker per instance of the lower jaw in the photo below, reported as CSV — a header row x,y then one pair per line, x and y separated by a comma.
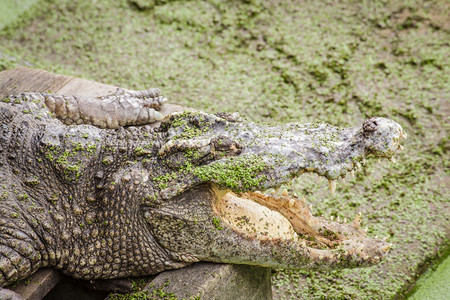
x,y
286,219
278,218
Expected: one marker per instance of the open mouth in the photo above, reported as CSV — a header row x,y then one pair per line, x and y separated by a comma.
x,y
281,218
278,216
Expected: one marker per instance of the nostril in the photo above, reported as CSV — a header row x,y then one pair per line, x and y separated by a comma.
x,y
370,125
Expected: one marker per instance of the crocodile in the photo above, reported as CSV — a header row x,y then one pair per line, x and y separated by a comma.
x,y
87,191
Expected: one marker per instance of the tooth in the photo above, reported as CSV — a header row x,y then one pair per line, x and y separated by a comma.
x,y
400,147
386,248
291,202
345,220
295,195
332,184
358,166
338,219
364,161
357,221
285,192
331,218
353,173
393,160
404,135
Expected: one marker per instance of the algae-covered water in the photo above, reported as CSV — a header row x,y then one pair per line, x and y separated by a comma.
x,y
434,284
282,61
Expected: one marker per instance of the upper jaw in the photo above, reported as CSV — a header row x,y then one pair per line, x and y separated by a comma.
x,y
274,153
326,150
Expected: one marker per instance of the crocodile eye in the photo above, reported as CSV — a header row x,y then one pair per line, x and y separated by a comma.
x,y
370,125
223,146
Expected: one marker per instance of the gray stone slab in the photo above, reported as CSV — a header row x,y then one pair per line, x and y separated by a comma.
x,y
24,79
38,285
215,281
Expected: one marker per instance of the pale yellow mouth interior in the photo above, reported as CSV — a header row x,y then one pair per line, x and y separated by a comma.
x,y
283,218
253,220
280,218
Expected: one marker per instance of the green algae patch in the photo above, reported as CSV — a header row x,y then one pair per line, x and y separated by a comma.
x,y
216,223
238,174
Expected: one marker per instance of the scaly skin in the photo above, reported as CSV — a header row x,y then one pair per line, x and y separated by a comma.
x,y
103,203
123,108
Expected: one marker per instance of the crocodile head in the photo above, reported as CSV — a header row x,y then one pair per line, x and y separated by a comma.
x,y
208,205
